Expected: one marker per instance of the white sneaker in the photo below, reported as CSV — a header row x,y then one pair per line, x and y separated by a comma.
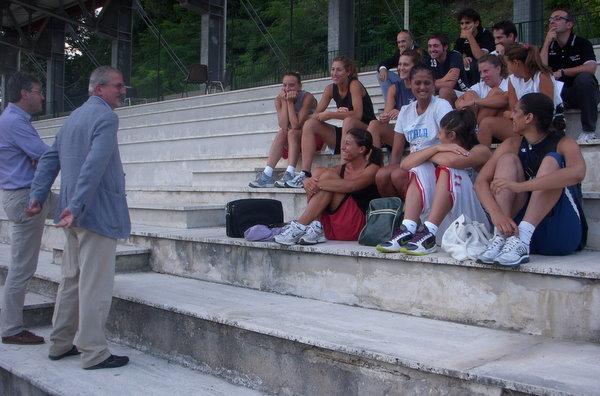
x,y
297,181
287,176
291,233
494,247
314,234
514,253
586,137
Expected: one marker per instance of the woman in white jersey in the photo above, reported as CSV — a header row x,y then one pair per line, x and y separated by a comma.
x,y
418,124
528,75
487,98
441,185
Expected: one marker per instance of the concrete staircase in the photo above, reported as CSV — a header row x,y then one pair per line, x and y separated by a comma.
x,y
218,315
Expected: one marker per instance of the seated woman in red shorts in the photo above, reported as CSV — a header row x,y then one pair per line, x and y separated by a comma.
x,y
338,196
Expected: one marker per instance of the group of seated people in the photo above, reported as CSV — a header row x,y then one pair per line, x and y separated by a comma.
x,y
448,107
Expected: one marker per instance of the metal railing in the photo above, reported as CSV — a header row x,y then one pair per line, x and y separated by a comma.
x,y
586,25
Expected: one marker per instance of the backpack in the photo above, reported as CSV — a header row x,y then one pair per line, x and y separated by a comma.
x,y
383,217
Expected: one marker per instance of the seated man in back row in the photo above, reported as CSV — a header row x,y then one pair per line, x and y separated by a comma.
x,y
573,62
387,78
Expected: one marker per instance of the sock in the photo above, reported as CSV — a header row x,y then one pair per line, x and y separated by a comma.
x,y
268,171
526,232
410,225
431,227
307,174
291,170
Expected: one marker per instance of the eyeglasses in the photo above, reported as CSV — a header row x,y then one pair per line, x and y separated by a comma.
x,y
557,18
37,92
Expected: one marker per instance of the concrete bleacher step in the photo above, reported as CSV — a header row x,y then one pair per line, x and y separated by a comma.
x,y
128,258
176,215
37,310
288,345
26,370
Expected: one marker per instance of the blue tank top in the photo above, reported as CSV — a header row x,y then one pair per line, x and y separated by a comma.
x,y
403,94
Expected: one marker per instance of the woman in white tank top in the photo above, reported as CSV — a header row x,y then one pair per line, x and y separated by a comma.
x,y
528,75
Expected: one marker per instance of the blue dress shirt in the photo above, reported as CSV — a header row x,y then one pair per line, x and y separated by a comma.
x,y
19,145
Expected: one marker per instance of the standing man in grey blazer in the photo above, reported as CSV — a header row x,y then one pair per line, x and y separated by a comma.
x,y
93,211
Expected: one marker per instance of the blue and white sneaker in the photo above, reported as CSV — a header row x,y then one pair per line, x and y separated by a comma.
x,y
314,234
492,251
422,243
291,233
297,181
287,176
398,241
514,253
262,181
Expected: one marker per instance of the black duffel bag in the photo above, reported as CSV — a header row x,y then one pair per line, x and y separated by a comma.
x,y
242,214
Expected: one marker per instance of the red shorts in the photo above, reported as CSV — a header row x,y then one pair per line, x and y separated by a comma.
x,y
345,223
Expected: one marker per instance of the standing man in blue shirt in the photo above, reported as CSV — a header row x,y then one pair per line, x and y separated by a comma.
x,y
93,211
20,150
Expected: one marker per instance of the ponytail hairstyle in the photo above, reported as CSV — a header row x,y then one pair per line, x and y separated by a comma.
x,y
418,68
349,65
415,55
495,61
462,123
363,138
542,108
529,55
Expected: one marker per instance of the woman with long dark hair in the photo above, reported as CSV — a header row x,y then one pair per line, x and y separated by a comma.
x,y
338,196
530,188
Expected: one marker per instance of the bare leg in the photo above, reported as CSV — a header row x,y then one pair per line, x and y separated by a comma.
x,y
277,147
509,168
442,201
400,179
541,202
313,127
413,207
350,123
448,94
322,199
293,139
382,133
485,112
499,127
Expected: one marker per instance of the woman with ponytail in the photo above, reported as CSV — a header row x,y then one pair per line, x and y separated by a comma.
x,y
338,196
528,75
353,106
441,185
531,189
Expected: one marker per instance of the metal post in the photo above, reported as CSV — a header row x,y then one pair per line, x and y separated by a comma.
x,y
290,48
407,14
158,90
3,89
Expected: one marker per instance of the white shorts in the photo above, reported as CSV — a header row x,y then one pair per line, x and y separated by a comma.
x,y
462,193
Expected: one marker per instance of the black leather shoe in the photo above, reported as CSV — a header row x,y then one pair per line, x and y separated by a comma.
x,y
113,361
71,352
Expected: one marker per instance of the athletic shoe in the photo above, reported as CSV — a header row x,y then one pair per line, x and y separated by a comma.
x,y
398,241
262,181
291,233
314,234
422,243
492,251
586,137
297,181
287,176
514,253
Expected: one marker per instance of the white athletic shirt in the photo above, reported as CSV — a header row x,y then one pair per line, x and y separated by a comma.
x,y
483,90
421,130
523,87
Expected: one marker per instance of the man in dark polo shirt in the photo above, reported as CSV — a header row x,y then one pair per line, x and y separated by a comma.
x,y
404,41
573,62
448,68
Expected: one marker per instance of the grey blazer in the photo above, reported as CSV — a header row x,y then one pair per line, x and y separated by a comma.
x,y
92,183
